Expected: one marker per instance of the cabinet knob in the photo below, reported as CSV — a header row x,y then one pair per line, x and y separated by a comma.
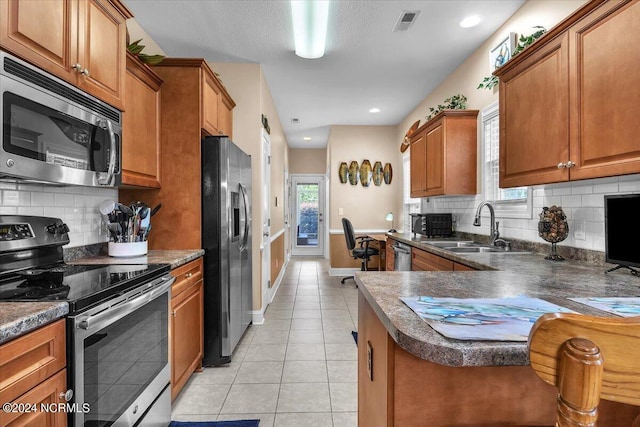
x,y
173,313
79,69
66,395
562,165
570,164
188,275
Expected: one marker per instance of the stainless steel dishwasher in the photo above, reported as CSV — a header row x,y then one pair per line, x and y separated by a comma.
x,y
402,257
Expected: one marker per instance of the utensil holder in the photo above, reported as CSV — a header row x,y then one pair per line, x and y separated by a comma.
x,y
128,249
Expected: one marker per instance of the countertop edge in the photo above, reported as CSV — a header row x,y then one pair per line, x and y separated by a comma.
x,y
24,323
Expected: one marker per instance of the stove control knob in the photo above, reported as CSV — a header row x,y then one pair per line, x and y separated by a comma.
x,y
52,228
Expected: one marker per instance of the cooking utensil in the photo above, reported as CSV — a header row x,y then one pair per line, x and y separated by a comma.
x,y
156,209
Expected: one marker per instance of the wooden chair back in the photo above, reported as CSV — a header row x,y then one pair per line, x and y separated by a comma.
x,y
587,358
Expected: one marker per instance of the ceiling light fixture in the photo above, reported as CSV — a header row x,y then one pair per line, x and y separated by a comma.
x,y
310,27
307,138
374,110
470,21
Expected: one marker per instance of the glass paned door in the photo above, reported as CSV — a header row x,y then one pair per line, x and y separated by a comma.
x,y
308,232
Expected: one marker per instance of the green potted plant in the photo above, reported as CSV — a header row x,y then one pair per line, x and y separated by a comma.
x,y
523,42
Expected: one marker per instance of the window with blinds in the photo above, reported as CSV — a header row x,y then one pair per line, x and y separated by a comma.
x,y
509,202
409,205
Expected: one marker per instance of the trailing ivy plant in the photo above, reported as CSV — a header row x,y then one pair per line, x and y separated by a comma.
x,y
523,42
456,102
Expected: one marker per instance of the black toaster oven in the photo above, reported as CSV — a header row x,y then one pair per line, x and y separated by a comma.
x,y
432,224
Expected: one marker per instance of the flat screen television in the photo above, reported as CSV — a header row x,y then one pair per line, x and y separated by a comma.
x,y
622,231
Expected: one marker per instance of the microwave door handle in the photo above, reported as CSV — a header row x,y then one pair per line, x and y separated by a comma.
x,y
102,178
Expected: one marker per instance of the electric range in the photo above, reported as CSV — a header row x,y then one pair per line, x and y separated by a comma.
x,y
118,368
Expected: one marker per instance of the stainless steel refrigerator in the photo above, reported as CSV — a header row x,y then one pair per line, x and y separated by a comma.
x,y
226,240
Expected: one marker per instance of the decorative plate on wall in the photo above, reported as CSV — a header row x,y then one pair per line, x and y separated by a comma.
x,y
365,173
388,173
343,170
353,173
378,173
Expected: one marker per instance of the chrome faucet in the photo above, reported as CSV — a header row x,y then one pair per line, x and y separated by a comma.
x,y
495,234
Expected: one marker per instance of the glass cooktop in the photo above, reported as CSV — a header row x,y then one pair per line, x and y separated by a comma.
x,y
81,285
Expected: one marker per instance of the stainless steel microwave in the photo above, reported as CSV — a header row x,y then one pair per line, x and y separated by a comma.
x,y
54,133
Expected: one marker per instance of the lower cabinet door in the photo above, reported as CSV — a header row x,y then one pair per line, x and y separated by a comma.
x,y
39,406
186,335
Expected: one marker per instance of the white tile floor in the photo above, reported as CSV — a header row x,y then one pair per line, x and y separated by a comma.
x,y
298,369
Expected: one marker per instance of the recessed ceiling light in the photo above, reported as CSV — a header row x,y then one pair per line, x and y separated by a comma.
x,y
470,21
307,138
374,110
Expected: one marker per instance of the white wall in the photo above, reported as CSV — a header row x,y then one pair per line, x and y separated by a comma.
x,y
76,206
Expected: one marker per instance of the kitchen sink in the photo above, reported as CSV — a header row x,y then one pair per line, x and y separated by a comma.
x,y
453,244
470,247
474,249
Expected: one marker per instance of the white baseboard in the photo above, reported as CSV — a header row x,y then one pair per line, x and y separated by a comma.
x,y
257,317
276,285
343,271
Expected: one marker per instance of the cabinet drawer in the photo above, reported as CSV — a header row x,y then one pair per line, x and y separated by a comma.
x,y
30,359
425,261
186,275
46,393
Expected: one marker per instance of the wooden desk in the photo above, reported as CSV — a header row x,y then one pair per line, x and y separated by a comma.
x,y
380,241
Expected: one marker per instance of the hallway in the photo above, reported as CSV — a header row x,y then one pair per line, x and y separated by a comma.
x,y
298,368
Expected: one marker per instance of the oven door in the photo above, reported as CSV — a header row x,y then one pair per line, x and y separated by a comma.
x,y
53,133
119,365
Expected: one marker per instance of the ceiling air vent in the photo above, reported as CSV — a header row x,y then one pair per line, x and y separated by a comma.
x,y
295,120
406,20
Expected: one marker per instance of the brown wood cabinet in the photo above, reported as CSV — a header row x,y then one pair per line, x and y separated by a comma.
x,y
580,120
185,88
80,41
443,155
426,261
33,372
141,126
390,255
461,267
186,325
417,163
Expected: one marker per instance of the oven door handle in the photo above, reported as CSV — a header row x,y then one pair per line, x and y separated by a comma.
x,y
118,311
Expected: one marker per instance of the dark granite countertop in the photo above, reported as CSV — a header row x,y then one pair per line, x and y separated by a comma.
x,y
174,257
508,275
18,318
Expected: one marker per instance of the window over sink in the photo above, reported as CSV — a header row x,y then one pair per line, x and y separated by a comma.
x,y
508,202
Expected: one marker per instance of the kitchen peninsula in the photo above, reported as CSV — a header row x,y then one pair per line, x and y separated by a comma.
x,y
418,377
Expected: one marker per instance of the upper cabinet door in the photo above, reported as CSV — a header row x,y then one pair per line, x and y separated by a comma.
x,y
102,51
605,92
210,104
435,160
534,117
418,164
42,32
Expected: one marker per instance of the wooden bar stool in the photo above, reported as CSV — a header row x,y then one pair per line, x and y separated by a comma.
x,y
587,358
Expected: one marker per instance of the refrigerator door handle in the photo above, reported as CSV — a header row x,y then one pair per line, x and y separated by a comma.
x,y
245,199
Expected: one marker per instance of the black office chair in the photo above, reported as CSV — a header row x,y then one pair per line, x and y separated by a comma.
x,y
364,252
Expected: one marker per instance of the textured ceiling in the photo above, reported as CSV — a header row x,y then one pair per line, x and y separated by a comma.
x,y
366,65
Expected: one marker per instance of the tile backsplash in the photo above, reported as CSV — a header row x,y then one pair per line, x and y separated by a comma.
x,y
581,201
77,206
